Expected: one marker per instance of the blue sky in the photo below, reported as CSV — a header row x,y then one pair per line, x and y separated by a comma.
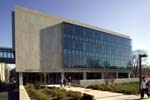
x,y
130,17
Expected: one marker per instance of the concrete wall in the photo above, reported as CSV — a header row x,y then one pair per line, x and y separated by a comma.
x,y
51,45
28,25
23,95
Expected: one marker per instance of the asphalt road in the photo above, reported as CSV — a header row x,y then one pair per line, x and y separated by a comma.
x,y
3,96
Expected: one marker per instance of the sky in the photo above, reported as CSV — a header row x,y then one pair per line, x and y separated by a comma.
x,y
129,17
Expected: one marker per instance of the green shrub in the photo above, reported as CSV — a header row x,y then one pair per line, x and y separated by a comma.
x,y
37,86
56,92
77,95
61,95
42,86
97,87
52,87
108,88
31,91
127,88
91,86
39,95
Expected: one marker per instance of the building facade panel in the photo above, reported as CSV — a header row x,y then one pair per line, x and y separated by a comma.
x,y
51,48
28,24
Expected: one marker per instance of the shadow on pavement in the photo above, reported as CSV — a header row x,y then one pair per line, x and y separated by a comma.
x,y
12,89
116,96
108,96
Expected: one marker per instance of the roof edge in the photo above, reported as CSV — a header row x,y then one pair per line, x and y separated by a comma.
x,y
75,22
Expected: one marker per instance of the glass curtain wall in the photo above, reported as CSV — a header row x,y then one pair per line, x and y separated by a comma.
x,y
89,48
6,54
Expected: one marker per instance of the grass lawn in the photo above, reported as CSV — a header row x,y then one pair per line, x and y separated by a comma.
x,y
127,88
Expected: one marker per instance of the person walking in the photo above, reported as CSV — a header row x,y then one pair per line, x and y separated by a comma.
x,y
65,81
144,86
61,82
69,81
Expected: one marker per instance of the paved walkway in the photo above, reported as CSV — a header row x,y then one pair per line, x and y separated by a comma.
x,y
3,96
103,95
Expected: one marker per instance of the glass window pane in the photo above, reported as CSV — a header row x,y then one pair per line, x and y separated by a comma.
x,y
1,54
5,54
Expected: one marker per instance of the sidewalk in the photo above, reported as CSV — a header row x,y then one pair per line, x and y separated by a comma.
x,y
3,96
103,95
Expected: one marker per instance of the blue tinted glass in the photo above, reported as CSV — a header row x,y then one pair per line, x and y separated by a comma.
x,y
1,54
65,51
69,52
91,48
65,35
9,55
5,54
12,56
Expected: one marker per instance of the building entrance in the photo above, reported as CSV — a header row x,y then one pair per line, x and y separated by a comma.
x,y
54,78
51,78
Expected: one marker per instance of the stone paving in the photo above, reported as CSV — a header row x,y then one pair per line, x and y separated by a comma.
x,y
3,96
103,95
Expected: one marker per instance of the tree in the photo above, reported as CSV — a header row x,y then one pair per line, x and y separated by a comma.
x,y
135,61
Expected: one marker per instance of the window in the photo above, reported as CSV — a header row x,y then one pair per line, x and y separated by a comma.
x,y
65,51
5,54
9,55
80,43
1,54
69,52
12,56
65,35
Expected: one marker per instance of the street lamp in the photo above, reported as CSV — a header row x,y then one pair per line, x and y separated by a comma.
x,y
140,58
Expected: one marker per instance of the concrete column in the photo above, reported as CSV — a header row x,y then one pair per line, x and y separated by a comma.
x,y
62,75
102,75
84,76
2,71
129,75
20,78
116,74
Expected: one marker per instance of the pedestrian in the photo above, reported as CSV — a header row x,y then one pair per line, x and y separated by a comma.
x,y
144,86
61,81
69,81
65,81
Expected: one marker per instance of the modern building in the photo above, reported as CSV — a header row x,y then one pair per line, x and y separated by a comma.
x,y
61,47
